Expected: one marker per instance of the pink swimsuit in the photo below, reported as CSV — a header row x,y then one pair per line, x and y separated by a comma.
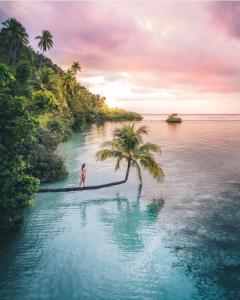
x,y
84,173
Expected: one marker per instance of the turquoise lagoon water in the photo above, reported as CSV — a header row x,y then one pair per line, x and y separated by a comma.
x,y
179,239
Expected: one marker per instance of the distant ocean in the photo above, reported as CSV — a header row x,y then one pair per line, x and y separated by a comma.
x,y
194,116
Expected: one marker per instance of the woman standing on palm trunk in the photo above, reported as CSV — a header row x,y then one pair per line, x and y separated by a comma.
x,y
83,176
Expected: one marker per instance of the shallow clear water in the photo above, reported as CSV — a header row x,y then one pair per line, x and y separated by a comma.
x,y
176,240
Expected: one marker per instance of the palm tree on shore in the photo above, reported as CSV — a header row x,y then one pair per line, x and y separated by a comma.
x,y
128,145
15,34
45,41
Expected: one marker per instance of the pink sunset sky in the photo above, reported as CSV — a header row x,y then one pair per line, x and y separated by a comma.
x,y
151,57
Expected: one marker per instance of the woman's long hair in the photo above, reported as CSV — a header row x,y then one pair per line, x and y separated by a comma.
x,y
83,166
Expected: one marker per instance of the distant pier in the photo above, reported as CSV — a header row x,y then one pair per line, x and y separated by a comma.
x,y
193,121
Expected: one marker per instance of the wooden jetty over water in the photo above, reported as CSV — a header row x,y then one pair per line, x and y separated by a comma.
x,y
192,121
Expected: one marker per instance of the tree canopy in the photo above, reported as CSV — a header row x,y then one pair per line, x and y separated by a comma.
x,y
40,105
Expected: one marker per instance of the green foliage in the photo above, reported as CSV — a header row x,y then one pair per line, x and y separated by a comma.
x,y
16,185
6,77
173,118
44,101
40,105
45,163
118,114
13,37
23,72
128,145
60,128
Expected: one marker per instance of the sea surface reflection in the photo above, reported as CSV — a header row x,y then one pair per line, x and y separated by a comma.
x,y
176,240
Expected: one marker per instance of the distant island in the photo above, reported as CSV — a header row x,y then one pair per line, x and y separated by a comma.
x,y
173,118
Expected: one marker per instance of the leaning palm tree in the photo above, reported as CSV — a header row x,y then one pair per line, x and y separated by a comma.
x,y
128,145
75,67
45,41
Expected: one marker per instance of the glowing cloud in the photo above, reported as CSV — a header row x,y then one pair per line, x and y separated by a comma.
x,y
147,56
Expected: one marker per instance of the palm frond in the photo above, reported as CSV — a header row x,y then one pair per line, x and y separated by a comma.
x,y
117,166
117,132
142,130
149,147
150,164
114,145
107,144
107,153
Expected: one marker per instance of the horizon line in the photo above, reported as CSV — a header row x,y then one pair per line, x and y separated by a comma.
x,y
189,114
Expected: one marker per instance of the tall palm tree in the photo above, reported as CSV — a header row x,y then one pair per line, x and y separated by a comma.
x,y
128,145
45,41
69,82
75,67
15,34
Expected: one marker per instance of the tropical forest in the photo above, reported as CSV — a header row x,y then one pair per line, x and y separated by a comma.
x,y
40,106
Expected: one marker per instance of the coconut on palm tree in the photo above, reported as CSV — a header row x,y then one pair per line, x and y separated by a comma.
x,y
128,145
14,33
45,41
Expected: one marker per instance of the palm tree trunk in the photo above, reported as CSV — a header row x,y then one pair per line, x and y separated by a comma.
x,y
15,54
10,53
128,170
91,187
41,60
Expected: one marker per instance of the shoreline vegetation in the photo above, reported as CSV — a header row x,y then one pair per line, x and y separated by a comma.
x,y
40,106
173,118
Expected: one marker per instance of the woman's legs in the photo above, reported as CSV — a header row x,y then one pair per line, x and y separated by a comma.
x,y
82,181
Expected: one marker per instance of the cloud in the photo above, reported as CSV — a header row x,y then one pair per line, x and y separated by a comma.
x,y
190,47
226,16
